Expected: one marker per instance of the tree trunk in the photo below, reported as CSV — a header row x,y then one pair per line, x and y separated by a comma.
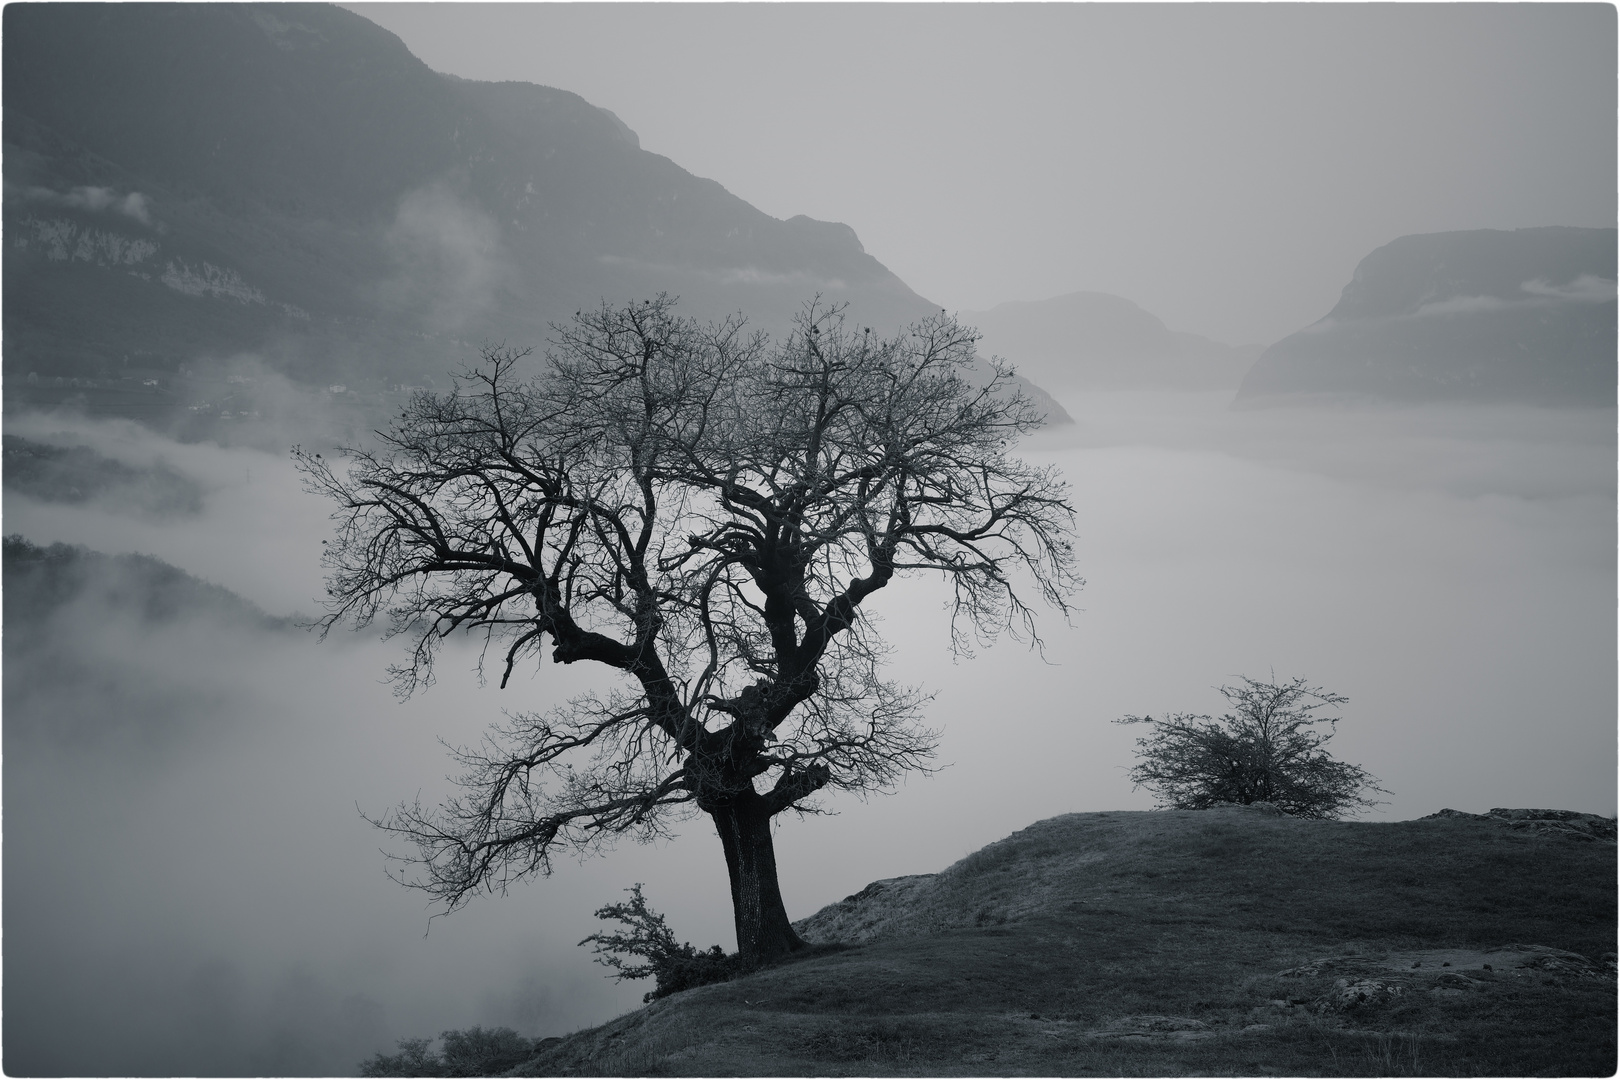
x,y
763,931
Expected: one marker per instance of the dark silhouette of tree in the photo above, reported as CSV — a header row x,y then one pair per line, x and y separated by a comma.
x,y
1269,749
703,512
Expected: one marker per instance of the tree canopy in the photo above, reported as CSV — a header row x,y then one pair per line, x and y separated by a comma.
x,y
704,511
1268,749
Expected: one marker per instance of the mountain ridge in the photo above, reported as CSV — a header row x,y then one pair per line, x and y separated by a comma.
x,y
1526,315
288,180
1090,340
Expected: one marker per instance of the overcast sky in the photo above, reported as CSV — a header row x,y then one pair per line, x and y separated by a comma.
x,y
1224,165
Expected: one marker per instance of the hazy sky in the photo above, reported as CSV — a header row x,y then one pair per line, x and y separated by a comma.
x,y
1224,165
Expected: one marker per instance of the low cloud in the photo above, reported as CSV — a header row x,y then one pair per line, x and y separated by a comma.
x,y
131,204
1585,289
448,259
1464,305
74,473
1588,288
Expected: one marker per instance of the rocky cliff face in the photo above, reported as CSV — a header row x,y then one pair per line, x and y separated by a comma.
x,y
187,182
1092,340
1524,316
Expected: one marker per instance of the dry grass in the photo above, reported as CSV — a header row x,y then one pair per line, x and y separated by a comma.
x,y
1222,942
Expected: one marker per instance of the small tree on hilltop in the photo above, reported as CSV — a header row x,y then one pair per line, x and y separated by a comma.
x,y
703,513
1269,749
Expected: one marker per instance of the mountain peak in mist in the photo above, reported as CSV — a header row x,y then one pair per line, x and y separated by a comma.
x,y
191,182
1095,340
1527,316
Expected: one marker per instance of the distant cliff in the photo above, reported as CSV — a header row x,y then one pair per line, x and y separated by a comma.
x,y
1526,316
1093,340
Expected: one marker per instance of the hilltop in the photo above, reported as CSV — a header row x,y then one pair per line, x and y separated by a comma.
x,y
1227,941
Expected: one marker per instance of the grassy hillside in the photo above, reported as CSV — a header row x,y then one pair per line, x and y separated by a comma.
x,y
1218,942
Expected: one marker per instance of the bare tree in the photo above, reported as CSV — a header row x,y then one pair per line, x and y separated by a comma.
x,y
703,512
1269,749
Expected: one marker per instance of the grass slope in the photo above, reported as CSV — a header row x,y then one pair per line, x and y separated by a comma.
x,y
1218,942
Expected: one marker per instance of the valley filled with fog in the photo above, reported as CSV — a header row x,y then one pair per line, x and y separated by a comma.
x,y
190,886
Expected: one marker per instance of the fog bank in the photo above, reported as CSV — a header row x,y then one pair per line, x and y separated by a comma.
x,y
190,887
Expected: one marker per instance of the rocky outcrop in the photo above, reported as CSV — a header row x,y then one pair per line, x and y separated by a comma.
x,y
1353,983
1567,823
1522,316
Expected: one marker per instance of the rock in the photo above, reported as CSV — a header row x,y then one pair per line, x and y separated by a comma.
x,y
1364,981
1163,1023
1329,964
1558,962
1564,822
1353,994
1570,824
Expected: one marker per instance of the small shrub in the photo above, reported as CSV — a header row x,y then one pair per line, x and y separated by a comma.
x,y
699,969
1268,751
474,1052
414,1059
674,966
477,1052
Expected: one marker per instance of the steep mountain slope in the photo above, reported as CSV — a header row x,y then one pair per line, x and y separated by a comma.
x,y
1218,942
1092,340
41,581
80,629
188,182
1524,316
